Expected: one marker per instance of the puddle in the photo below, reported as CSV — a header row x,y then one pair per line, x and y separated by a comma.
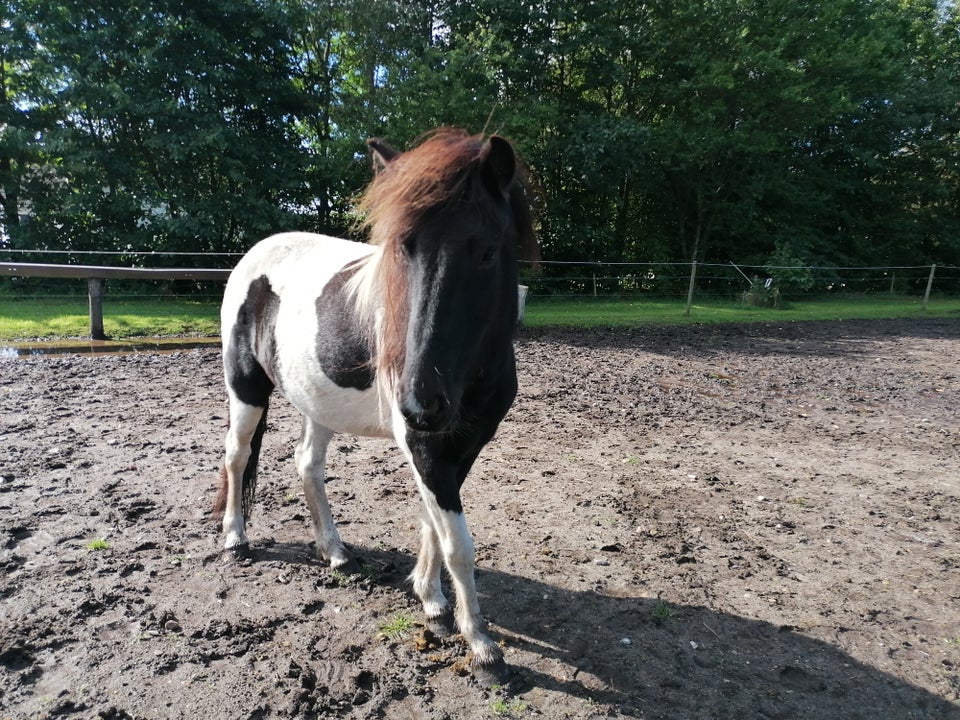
x,y
97,348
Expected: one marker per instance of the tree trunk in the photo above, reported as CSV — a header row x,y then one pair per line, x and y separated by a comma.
x,y
11,201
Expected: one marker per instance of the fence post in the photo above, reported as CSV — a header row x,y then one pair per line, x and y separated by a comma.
x,y
693,279
926,295
95,290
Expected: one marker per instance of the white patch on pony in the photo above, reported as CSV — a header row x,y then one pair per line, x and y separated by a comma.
x,y
456,546
426,574
310,390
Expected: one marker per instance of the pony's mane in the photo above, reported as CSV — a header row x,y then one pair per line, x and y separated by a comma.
x,y
394,204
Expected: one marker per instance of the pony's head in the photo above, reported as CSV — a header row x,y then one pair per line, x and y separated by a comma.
x,y
450,216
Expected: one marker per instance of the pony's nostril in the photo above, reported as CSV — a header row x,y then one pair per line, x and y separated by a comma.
x,y
435,406
425,413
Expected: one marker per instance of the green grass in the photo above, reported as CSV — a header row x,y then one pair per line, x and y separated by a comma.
x,y
628,313
661,612
22,320
397,626
508,708
98,544
69,318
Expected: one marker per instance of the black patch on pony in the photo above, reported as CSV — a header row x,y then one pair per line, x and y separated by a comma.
x,y
252,334
341,348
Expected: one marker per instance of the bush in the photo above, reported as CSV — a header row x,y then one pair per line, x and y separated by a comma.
x,y
762,293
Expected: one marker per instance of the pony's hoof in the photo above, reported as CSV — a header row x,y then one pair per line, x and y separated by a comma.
x,y
347,567
237,553
491,674
442,626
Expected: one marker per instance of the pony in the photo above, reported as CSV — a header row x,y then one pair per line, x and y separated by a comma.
x,y
408,336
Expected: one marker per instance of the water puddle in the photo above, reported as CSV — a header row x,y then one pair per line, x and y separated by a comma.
x,y
99,348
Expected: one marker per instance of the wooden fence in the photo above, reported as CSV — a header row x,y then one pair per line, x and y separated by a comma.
x,y
96,275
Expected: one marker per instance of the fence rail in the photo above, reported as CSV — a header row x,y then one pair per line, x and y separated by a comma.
x,y
109,272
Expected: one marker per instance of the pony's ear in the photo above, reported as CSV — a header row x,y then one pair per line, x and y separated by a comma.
x,y
498,165
383,154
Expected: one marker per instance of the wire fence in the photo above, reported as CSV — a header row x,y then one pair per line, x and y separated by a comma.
x,y
754,284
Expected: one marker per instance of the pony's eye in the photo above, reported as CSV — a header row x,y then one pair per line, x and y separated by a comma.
x,y
408,246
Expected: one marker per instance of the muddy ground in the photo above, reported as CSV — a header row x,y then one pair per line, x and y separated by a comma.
x,y
700,522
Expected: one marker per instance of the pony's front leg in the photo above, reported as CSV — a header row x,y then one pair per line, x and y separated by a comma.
x,y
426,581
311,456
456,546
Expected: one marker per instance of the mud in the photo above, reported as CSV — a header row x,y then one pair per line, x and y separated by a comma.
x,y
704,522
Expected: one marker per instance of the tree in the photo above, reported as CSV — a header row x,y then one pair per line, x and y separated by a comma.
x,y
168,126
764,123
351,60
20,118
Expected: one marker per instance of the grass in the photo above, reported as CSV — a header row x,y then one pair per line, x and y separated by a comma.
x,y
588,312
503,707
55,319
98,544
69,318
397,626
661,612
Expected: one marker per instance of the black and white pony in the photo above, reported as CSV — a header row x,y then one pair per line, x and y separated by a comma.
x,y
410,337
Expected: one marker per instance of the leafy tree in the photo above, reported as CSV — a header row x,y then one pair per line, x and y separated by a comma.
x,y
351,59
171,125
765,119
21,120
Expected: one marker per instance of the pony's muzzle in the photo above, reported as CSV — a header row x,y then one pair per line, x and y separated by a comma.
x,y
426,411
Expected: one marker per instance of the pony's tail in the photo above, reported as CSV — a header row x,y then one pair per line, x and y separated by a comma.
x,y
250,472
249,488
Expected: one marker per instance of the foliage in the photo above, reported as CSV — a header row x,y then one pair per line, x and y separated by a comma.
x,y
165,125
662,131
763,293
787,270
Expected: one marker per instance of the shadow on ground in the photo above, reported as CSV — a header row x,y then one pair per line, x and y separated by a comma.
x,y
645,658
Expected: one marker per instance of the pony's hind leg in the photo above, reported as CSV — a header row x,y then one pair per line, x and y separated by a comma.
x,y
311,456
426,581
242,450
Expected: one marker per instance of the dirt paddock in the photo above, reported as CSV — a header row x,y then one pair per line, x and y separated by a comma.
x,y
703,522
